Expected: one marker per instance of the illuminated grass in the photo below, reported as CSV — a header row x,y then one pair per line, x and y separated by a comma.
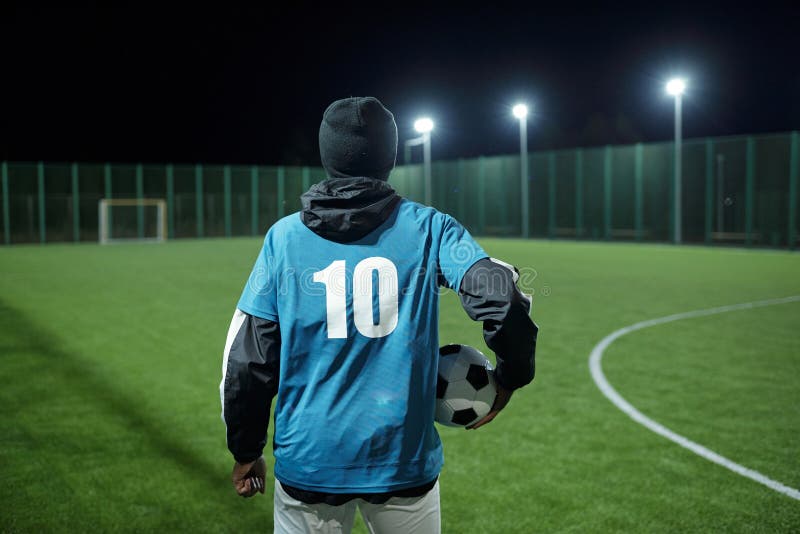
x,y
110,359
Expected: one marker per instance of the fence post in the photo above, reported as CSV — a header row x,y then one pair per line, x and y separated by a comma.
x,y
306,179
579,192
482,193
139,196
198,192
607,191
76,204
638,194
709,188
281,190
170,201
254,200
748,198
108,193
226,177
6,204
40,183
551,194
793,170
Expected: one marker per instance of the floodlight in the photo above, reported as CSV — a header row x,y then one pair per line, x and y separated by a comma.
x,y
423,125
520,111
676,86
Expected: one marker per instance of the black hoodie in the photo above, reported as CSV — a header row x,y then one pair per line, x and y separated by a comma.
x,y
347,209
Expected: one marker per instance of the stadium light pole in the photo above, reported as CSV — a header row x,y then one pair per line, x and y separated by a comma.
x,y
424,126
676,87
520,111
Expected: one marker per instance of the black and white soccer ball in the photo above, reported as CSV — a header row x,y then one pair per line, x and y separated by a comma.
x,y
465,386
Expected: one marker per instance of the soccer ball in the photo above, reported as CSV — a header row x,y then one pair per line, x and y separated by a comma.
x,y
465,386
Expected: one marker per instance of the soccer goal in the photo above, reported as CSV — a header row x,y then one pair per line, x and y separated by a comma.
x,y
132,219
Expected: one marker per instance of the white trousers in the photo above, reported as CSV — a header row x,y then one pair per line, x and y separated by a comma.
x,y
398,515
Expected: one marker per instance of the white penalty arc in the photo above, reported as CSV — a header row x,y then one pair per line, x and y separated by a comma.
x,y
595,361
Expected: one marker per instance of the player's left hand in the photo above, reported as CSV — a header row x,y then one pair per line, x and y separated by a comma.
x,y
500,401
248,479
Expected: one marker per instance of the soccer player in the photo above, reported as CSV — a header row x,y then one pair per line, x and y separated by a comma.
x,y
339,321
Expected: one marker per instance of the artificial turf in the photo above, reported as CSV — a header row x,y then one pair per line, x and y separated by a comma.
x,y
110,359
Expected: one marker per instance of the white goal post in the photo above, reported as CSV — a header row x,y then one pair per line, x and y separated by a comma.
x,y
147,218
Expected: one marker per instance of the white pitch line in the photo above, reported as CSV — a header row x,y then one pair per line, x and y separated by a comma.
x,y
600,379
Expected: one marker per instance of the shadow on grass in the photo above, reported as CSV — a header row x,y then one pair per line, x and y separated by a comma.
x,y
35,358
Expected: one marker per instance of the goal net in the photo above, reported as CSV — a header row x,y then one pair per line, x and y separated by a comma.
x,y
132,219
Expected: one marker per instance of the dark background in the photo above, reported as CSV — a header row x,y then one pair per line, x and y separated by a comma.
x,y
131,84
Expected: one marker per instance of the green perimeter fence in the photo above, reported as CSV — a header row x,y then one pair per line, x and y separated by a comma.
x,y
740,190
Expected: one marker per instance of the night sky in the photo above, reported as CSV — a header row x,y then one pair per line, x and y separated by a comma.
x,y
249,85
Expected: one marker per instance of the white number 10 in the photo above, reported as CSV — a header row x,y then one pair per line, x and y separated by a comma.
x,y
334,278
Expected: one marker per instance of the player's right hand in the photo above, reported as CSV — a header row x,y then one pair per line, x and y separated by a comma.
x,y
500,402
249,478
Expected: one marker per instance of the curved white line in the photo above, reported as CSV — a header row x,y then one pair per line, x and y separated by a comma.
x,y
599,378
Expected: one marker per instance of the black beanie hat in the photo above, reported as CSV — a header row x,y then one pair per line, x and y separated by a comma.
x,y
358,137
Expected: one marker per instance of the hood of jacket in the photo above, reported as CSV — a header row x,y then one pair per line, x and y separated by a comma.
x,y
347,209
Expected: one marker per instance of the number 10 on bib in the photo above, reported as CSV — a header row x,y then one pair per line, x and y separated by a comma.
x,y
334,277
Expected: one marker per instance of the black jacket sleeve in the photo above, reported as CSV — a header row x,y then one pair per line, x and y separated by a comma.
x,y
249,382
489,293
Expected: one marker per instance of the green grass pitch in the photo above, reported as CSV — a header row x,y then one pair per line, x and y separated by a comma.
x,y
110,359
